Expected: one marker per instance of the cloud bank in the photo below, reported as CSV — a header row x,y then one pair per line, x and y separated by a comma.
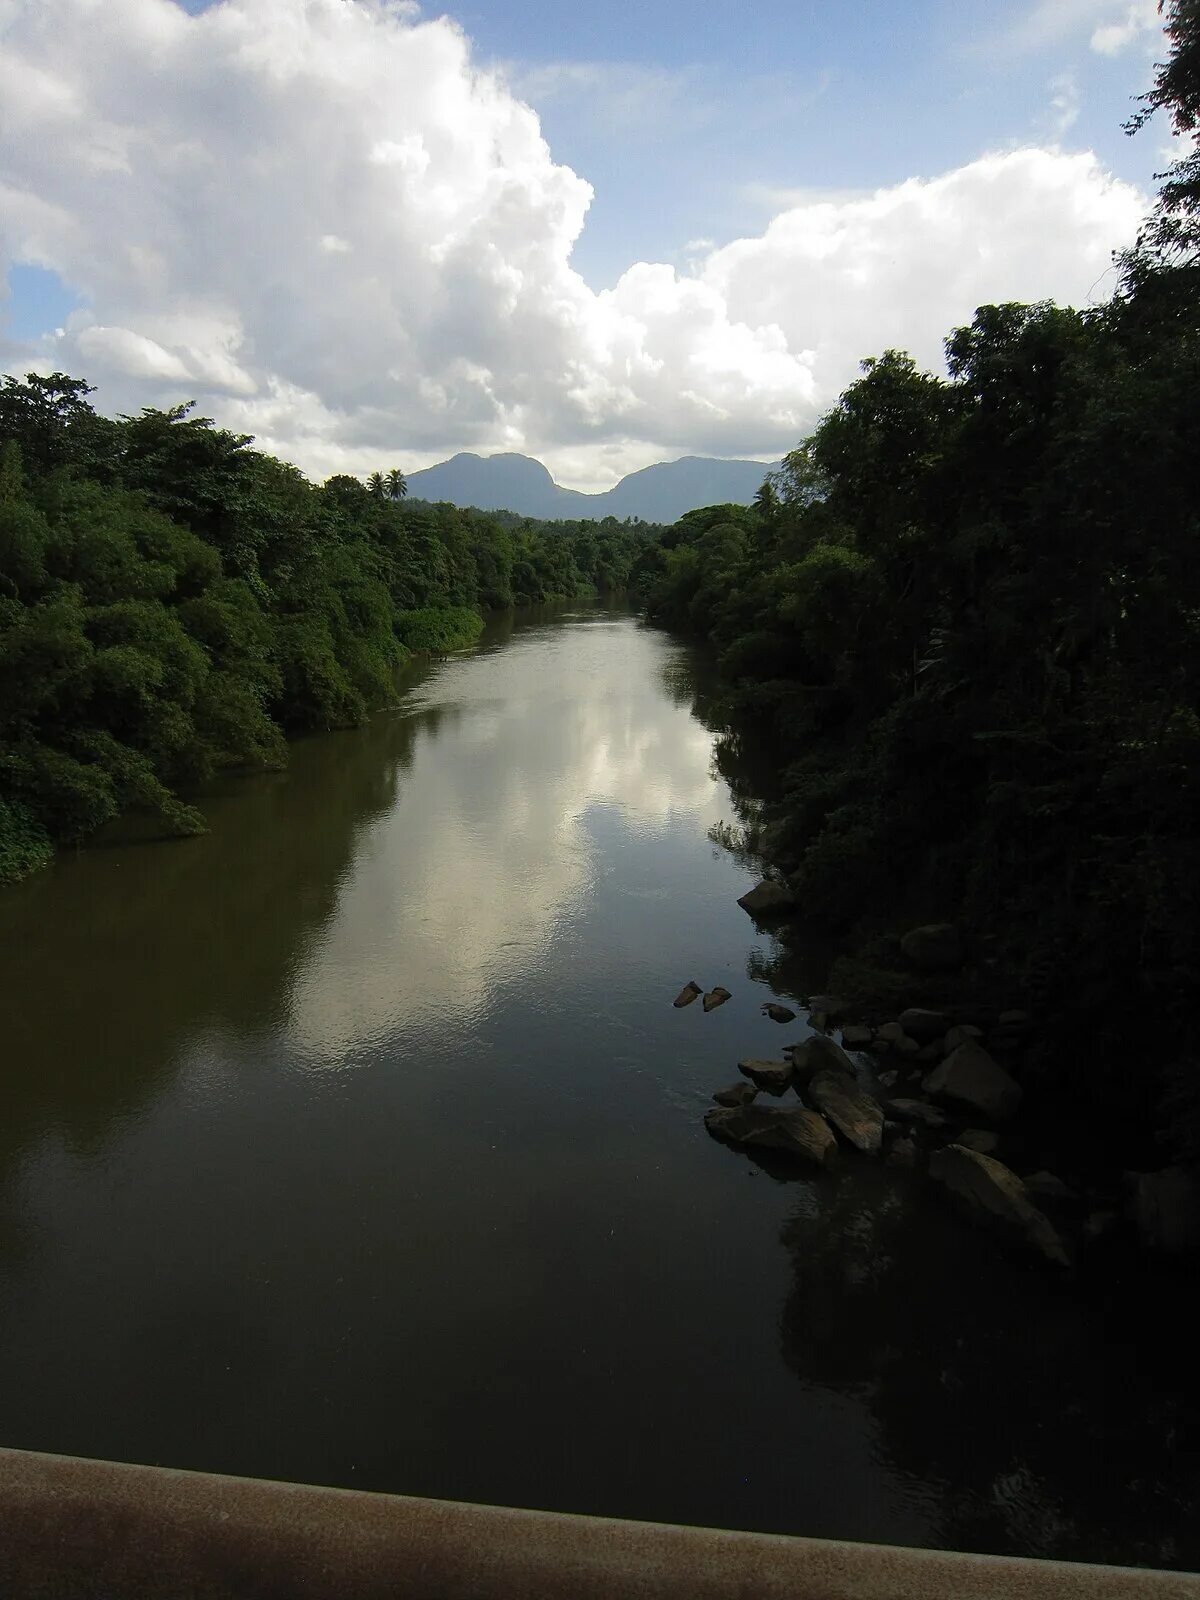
x,y
323,221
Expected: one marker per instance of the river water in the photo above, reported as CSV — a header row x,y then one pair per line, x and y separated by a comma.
x,y
358,1142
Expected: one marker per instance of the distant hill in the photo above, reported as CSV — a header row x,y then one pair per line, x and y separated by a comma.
x,y
661,493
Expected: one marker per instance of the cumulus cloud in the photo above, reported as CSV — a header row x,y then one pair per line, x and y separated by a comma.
x,y
323,221
1111,24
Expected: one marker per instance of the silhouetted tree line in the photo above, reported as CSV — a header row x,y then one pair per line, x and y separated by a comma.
x,y
968,610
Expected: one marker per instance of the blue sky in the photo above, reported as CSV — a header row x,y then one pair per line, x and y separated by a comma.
x,y
768,123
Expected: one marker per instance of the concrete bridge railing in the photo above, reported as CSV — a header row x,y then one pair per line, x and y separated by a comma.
x,y
71,1528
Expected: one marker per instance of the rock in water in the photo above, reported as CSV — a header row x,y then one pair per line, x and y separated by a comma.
x,y
768,899
917,1111
933,946
737,1094
774,1076
982,1140
716,997
797,1131
970,1077
689,992
924,1025
852,1111
989,1192
778,1013
855,1036
820,1054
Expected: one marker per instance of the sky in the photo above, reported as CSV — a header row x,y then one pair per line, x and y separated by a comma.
x,y
372,233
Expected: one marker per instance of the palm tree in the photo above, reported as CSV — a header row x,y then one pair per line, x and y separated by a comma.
x,y
397,484
377,485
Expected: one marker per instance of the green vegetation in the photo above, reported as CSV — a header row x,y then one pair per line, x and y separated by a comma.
x,y
968,613
174,603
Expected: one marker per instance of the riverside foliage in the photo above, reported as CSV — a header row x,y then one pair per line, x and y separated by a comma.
x,y
968,611
173,602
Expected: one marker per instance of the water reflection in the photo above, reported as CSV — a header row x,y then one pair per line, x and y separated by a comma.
x,y
1042,1417
456,890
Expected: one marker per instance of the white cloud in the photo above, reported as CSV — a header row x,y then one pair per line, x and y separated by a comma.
x,y
1112,24
326,224
1064,103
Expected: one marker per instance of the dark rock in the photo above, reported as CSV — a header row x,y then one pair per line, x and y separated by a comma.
x,y
934,946
797,1131
856,1037
737,1094
716,997
820,1054
982,1140
855,1115
890,1031
1015,1019
880,1047
1098,1226
987,1191
902,1152
969,1077
917,1111
1004,1041
1165,1208
930,1052
887,1079
778,1013
905,1046
960,1035
768,899
924,1025
689,992
1045,1186
773,1076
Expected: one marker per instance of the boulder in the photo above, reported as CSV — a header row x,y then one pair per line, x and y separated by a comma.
x,y
1165,1207
929,1053
716,997
737,1094
1045,1186
856,1037
902,1152
689,992
773,1076
1015,1019
891,1031
924,1025
854,1114
934,946
820,1054
982,1140
969,1077
888,1079
905,1046
917,1111
960,1035
797,1131
768,899
988,1192
778,1013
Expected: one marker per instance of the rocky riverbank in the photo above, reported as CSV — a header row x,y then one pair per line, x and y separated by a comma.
x,y
945,1092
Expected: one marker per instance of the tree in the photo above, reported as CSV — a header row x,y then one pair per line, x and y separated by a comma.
x,y
397,484
377,484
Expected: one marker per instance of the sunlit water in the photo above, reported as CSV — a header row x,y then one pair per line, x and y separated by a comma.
x,y
358,1142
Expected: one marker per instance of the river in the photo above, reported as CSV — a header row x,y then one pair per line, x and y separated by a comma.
x,y
357,1142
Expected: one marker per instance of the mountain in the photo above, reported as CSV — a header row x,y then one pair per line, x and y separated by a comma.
x,y
661,493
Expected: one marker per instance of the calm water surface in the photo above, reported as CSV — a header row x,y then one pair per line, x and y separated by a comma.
x,y
358,1143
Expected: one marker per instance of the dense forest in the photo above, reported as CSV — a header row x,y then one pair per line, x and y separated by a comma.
x,y
173,602
968,611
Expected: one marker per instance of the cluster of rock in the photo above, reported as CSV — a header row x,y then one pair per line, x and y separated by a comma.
x,y
837,1109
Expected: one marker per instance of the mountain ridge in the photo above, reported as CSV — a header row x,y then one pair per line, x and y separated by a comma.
x,y
662,492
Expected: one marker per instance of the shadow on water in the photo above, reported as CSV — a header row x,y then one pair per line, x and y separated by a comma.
x,y
1045,1416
